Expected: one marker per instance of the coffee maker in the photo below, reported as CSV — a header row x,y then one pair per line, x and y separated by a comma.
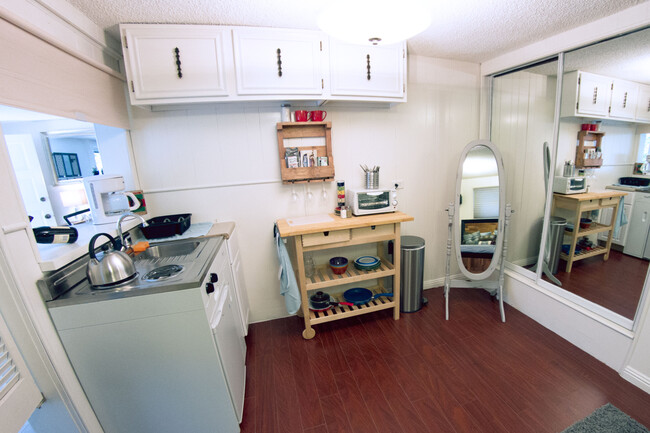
x,y
107,198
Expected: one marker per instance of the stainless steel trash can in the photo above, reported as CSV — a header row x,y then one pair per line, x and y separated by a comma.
x,y
412,273
555,238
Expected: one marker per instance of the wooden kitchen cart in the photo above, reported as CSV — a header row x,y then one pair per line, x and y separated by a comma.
x,y
339,233
579,203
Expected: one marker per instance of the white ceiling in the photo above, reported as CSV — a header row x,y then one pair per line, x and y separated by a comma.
x,y
468,30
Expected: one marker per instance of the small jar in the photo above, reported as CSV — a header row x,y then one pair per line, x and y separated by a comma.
x,y
344,211
309,267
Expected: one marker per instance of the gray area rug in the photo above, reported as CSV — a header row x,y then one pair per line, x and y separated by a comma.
x,y
607,419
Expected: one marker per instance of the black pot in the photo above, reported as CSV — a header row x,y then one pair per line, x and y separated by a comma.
x,y
320,300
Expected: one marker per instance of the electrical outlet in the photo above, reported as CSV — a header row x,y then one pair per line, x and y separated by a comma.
x,y
398,184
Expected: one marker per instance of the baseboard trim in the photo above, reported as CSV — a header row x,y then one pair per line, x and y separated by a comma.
x,y
636,378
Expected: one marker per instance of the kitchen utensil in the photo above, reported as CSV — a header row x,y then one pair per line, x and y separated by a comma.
x,y
114,266
367,263
360,295
339,264
167,225
324,302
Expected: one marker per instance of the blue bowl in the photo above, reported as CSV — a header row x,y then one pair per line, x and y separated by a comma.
x,y
339,265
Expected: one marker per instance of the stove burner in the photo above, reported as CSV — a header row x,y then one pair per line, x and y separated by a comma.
x,y
163,273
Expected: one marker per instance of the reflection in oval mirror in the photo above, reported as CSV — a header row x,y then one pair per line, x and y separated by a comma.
x,y
479,204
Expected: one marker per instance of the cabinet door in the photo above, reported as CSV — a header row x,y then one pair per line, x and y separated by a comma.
x,y
594,94
624,94
606,217
643,104
359,70
278,62
232,360
176,61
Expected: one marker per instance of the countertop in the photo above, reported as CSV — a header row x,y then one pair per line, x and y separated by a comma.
x,y
595,195
338,223
55,256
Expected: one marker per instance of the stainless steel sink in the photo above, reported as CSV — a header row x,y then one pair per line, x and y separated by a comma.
x,y
169,249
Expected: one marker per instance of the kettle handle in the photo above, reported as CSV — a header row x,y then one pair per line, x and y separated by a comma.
x,y
91,244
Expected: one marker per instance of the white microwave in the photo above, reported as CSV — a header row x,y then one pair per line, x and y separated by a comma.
x,y
569,185
371,201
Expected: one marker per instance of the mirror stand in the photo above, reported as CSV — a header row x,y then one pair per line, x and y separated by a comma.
x,y
494,287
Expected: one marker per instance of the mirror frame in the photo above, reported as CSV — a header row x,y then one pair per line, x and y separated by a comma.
x,y
502,209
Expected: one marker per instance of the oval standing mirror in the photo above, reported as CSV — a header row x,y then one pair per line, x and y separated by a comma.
x,y
480,204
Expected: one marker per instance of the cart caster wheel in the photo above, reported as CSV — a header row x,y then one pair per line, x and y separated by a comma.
x,y
308,334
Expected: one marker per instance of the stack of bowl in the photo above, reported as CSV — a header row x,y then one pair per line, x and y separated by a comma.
x,y
367,263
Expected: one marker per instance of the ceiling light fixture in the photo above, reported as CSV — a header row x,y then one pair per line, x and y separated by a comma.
x,y
375,21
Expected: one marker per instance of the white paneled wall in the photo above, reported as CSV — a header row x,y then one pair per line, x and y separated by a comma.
x,y
522,121
221,162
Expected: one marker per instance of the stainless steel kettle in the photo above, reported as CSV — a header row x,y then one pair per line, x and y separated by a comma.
x,y
114,266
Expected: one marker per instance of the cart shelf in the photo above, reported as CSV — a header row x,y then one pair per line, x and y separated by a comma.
x,y
324,277
343,311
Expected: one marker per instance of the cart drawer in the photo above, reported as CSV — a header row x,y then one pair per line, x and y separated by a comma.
x,y
328,237
367,232
610,201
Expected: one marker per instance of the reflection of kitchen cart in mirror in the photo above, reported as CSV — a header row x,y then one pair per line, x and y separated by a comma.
x,y
478,219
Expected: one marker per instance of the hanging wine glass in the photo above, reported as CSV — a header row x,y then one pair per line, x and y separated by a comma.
x,y
309,194
323,192
294,194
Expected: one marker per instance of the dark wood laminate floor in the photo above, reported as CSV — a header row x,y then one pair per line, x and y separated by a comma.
x,y
615,284
424,374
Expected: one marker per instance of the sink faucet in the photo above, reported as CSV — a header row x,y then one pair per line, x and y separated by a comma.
x,y
125,242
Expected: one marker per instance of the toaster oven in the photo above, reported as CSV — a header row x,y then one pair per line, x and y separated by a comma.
x,y
569,185
371,201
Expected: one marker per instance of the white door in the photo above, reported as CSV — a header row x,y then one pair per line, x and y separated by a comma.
x,y
278,62
359,70
30,179
643,104
624,95
594,93
19,395
176,61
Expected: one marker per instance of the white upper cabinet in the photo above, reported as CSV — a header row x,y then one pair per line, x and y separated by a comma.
x,y
179,64
278,62
586,94
643,104
371,71
623,104
176,63
590,95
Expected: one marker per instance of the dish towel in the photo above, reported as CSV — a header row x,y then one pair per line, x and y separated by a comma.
x,y
621,219
289,285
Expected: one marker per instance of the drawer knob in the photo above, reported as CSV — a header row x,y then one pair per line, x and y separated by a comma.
x,y
214,277
209,288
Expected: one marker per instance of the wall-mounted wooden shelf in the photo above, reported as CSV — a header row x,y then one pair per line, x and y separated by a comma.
x,y
588,136
288,130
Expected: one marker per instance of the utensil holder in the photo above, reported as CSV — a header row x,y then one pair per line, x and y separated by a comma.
x,y
372,180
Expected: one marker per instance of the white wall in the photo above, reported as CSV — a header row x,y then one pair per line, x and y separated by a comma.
x,y
221,162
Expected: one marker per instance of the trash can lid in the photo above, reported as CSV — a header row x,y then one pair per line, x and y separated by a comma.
x,y
411,242
558,221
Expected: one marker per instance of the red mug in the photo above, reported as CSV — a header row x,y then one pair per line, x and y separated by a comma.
x,y
318,115
301,115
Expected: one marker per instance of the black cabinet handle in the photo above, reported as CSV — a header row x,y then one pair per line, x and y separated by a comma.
x,y
279,51
177,53
214,277
209,288
368,65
